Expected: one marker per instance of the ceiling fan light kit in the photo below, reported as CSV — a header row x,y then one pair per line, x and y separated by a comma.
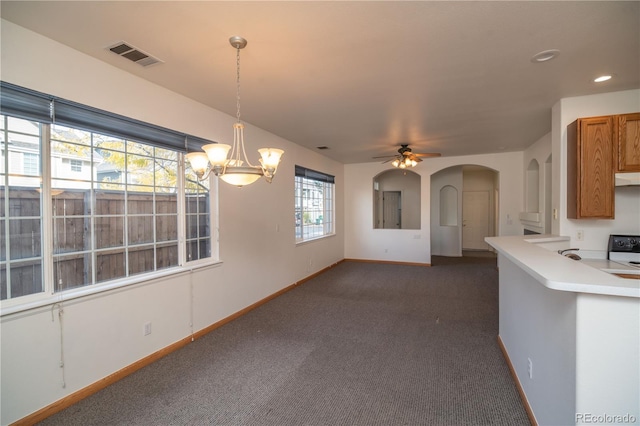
x,y
231,168
407,158
403,163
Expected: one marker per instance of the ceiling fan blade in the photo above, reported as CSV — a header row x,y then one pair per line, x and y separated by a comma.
x,y
405,152
428,154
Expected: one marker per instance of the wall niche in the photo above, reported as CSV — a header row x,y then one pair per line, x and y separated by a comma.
x,y
448,206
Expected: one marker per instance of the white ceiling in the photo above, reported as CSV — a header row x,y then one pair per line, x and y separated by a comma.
x,y
362,77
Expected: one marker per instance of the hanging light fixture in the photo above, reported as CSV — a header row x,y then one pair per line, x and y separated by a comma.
x,y
403,162
235,168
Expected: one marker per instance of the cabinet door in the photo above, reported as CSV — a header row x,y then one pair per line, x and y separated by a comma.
x,y
628,142
590,174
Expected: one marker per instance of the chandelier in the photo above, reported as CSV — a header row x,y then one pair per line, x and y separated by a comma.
x,y
235,168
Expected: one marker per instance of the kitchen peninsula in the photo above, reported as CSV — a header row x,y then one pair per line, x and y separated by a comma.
x,y
571,333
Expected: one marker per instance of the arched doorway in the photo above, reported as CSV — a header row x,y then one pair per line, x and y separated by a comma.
x,y
464,209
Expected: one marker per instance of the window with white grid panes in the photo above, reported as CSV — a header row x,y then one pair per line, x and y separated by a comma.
x,y
21,250
117,217
314,205
114,209
90,197
197,216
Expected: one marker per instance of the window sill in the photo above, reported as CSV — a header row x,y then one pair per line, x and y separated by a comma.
x,y
310,240
41,300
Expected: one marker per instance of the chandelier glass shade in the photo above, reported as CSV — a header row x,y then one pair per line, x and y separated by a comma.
x,y
230,162
404,162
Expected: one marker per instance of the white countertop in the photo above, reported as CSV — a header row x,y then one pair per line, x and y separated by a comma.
x,y
538,256
610,266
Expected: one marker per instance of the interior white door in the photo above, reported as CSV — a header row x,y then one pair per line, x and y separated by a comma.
x,y
475,219
391,210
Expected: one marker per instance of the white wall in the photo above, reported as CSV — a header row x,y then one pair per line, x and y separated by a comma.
x,y
584,349
538,324
540,152
627,200
103,333
364,242
607,354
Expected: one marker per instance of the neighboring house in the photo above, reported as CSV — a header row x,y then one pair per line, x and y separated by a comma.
x,y
24,160
109,172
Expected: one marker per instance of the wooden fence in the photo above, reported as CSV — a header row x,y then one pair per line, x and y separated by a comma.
x,y
151,222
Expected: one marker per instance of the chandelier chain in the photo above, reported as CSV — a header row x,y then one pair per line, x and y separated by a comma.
x,y
238,84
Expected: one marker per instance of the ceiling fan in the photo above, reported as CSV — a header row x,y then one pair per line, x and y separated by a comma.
x,y
406,158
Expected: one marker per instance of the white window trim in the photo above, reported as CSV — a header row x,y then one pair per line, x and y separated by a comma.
x,y
49,297
38,300
300,241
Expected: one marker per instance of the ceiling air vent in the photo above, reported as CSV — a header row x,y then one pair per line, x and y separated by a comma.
x,y
133,54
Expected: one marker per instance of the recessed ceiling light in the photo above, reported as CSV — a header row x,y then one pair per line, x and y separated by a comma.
x,y
602,78
545,55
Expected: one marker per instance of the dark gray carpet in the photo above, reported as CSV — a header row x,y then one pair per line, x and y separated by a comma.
x,y
361,344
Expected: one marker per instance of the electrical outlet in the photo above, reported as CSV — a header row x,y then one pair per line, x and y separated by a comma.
x,y
530,368
579,235
147,328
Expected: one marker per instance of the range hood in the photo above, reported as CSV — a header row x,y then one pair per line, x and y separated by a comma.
x,y
627,179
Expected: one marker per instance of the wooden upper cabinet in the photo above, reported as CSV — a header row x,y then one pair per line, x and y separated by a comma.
x,y
590,168
628,142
